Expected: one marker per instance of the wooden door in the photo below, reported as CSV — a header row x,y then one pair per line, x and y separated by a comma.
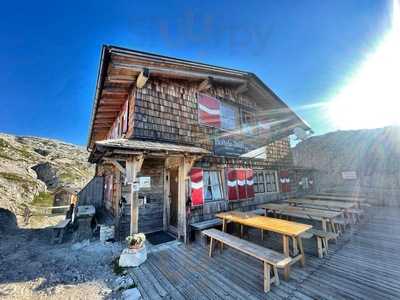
x,y
173,197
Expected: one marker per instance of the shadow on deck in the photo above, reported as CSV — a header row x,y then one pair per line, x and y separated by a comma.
x,y
364,264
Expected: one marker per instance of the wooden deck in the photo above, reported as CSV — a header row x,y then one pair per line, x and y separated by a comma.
x,y
364,264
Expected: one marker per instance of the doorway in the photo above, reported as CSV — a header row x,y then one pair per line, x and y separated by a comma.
x,y
173,199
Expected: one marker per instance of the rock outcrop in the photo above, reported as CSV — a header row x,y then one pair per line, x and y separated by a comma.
x,y
31,167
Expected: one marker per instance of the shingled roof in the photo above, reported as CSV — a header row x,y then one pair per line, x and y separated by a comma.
x,y
119,69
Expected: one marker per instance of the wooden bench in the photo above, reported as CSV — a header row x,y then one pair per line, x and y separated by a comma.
x,y
322,238
200,226
59,230
271,259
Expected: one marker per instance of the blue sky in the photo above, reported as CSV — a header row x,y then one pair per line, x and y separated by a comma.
x,y
50,51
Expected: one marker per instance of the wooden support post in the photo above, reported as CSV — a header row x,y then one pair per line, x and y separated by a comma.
x,y
183,175
133,166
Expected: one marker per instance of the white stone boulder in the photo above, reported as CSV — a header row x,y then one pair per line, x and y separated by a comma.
x,y
131,294
133,257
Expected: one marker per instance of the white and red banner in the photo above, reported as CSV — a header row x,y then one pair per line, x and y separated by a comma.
x,y
209,110
196,185
240,184
284,181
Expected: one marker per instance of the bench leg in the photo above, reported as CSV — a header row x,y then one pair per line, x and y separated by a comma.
x,y
267,277
324,225
241,231
211,247
262,234
286,253
276,276
303,257
319,247
325,241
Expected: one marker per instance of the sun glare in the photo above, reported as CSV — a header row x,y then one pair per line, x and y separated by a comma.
x,y
371,98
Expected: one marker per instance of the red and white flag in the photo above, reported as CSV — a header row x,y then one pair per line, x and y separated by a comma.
x,y
209,111
196,185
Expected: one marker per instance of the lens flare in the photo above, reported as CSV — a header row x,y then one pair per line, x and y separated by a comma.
x,y
371,98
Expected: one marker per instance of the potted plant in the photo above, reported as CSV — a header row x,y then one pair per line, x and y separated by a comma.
x,y
136,241
135,254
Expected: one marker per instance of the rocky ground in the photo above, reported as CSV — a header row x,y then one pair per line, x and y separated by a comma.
x,y
32,268
31,168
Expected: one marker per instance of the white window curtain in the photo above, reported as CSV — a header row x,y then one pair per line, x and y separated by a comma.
x,y
216,186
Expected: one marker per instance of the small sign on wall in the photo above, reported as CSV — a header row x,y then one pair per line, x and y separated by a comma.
x,y
349,175
144,182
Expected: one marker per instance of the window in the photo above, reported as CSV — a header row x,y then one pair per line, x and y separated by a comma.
x,y
270,181
212,186
229,116
259,182
248,122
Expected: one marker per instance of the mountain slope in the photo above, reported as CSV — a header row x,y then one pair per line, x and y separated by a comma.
x,y
373,153
31,167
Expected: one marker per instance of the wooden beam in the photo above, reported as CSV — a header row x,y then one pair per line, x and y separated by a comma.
x,y
106,115
116,164
242,88
205,85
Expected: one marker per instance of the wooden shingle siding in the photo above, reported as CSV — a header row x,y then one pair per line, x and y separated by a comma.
x,y
167,111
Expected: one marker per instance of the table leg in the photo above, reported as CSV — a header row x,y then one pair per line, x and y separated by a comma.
x,y
324,225
224,230
224,225
286,253
295,248
303,257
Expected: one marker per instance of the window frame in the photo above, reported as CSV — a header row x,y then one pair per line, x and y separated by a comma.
x,y
256,174
273,174
205,186
245,126
237,115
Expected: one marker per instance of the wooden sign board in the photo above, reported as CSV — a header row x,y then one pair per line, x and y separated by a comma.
x,y
145,182
349,175
228,146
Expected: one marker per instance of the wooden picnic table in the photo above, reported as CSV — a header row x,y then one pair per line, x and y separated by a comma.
x,y
323,203
325,216
357,200
286,228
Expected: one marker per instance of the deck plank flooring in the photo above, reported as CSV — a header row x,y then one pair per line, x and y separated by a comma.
x,y
363,264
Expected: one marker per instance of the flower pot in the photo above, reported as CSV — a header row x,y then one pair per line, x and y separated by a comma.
x,y
133,257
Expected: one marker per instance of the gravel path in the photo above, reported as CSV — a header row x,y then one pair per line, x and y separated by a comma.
x,y
32,268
